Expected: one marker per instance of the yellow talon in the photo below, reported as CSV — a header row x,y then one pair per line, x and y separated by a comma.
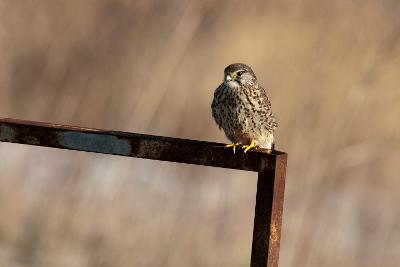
x,y
248,147
234,146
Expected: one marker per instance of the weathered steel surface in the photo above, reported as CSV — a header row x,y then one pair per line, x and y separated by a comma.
x,y
132,145
271,168
268,214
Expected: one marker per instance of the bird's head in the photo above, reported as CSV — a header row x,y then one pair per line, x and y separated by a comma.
x,y
238,74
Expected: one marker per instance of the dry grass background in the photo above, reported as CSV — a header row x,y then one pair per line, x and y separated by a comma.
x,y
332,70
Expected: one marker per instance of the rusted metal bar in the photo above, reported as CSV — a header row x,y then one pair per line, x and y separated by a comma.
x,y
268,214
271,168
131,145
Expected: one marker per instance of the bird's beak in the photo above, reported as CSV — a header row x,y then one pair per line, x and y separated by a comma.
x,y
228,78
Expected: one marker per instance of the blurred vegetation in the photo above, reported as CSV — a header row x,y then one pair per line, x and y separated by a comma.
x,y
332,71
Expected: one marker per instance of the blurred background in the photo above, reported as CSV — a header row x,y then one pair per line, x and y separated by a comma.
x,y
331,69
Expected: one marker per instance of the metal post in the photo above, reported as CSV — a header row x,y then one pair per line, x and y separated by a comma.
x,y
271,167
268,214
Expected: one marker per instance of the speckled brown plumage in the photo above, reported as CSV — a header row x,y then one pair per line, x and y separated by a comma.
x,y
242,109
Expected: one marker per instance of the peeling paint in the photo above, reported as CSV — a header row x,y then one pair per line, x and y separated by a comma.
x,y
7,133
94,143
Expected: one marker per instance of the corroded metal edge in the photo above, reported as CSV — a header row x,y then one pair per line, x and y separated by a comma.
x,y
133,145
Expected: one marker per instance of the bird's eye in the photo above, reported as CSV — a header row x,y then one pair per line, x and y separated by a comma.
x,y
239,73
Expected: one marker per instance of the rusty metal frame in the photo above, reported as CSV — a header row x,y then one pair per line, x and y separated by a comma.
x,y
271,168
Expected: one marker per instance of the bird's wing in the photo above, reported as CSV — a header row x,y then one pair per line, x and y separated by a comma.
x,y
218,94
268,120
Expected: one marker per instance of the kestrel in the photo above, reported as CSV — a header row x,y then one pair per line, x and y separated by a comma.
x,y
242,109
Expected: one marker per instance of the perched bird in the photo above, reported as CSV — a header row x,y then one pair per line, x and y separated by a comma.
x,y
242,109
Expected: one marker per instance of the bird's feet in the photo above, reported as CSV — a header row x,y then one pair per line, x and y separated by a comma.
x,y
248,147
234,145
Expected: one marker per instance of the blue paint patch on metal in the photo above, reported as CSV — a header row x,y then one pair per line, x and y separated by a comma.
x,y
7,133
94,143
